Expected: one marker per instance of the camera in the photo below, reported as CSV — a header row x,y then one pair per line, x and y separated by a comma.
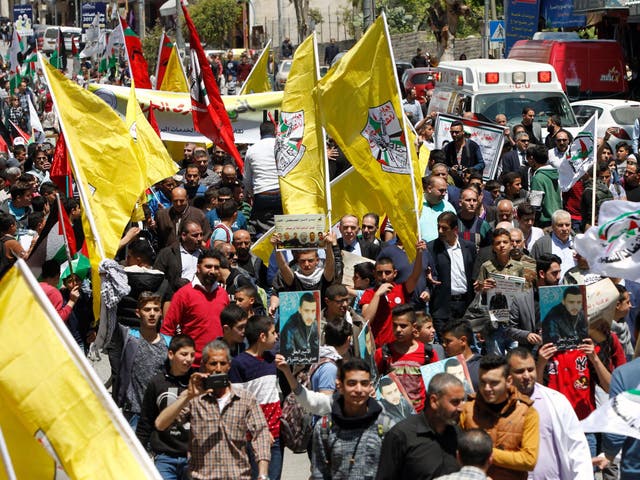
x,y
216,381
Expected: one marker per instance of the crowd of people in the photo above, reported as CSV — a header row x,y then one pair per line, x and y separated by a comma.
x,y
194,348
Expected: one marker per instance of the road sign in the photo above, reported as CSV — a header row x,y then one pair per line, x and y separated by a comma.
x,y
496,31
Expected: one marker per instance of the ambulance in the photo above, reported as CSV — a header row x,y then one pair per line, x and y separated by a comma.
x,y
490,87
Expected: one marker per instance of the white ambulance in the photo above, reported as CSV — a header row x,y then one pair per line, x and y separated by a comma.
x,y
490,87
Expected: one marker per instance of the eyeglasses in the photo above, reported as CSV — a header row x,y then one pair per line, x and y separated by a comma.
x,y
339,300
523,141
562,140
455,132
369,227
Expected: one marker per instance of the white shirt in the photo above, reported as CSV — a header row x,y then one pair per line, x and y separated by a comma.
x,y
556,157
565,252
458,279
189,263
534,235
260,172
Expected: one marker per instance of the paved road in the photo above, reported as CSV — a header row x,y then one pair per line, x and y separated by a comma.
x,y
296,466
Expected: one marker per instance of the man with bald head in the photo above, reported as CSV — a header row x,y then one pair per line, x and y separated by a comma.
x,y
169,220
471,226
247,261
504,211
208,177
351,243
435,189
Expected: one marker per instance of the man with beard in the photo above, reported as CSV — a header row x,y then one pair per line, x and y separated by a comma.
x,y
195,308
423,447
300,332
250,263
564,452
566,320
632,182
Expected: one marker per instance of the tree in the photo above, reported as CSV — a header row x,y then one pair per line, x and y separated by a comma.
x,y
214,20
302,14
150,44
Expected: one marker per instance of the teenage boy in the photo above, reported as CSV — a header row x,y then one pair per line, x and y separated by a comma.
x,y
347,443
406,355
377,302
169,447
142,356
426,333
234,321
255,371
248,298
457,337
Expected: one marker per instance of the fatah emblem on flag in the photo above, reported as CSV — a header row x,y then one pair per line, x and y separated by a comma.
x,y
581,150
289,146
613,247
386,139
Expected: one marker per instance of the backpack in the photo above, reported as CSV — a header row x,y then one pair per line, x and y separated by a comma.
x,y
296,424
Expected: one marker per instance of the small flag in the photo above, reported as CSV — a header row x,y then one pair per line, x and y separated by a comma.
x,y
582,154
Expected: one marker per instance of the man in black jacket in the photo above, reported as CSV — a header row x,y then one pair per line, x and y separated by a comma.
x,y
453,260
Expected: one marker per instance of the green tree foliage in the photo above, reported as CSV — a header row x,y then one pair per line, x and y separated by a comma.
x,y
214,20
150,45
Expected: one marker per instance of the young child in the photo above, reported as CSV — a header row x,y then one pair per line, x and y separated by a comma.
x,y
363,278
234,321
142,356
426,333
248,297
170,446
255,371
406,355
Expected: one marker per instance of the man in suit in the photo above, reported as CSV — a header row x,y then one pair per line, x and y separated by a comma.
x,y
351,243
516,159
524,316
453,260
179,261
169,221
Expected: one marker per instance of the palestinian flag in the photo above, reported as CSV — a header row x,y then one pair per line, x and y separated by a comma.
x,y
137,64
59,56
164,53
18,132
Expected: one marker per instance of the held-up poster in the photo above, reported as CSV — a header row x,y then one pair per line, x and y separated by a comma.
x,y
499,298
488,136
456,366
300,326
394,398
563,315
300,232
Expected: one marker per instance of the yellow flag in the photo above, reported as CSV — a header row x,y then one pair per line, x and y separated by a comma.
x,y
300,143
350,195
174,79
360,107
258,79
51,404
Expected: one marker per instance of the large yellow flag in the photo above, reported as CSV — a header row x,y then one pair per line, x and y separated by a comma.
x,y
359,104
174,79
258,79
53,410
110,167
300,143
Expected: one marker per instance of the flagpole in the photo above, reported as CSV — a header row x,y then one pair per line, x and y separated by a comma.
x,y
87,371
76,172
323,138
595,171
416,205
6,458
64,232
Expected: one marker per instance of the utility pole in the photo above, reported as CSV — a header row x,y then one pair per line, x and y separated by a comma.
x,y
142,24
280,25
367,13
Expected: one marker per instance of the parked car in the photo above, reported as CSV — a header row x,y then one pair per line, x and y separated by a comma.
x,y
422,79
283,73
611,113
50,38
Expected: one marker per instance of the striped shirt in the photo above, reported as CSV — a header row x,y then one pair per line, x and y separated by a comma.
x,y
258,376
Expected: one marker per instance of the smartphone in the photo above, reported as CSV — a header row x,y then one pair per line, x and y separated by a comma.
x,y
216,381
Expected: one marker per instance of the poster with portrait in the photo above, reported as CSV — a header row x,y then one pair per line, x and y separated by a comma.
x,y
393,398
499,298
300,326
563,315
367,349
456,366
299,232
349,261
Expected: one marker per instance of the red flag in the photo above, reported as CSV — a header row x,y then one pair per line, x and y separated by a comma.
x,y
20,132
65,228
137,64
4,148
209,115
74,47
163,58
60,173
151,117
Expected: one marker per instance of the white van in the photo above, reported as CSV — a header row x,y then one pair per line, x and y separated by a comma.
x,y
50,38
490,87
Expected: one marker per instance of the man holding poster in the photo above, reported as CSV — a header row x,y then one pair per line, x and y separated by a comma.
x,y
299,335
